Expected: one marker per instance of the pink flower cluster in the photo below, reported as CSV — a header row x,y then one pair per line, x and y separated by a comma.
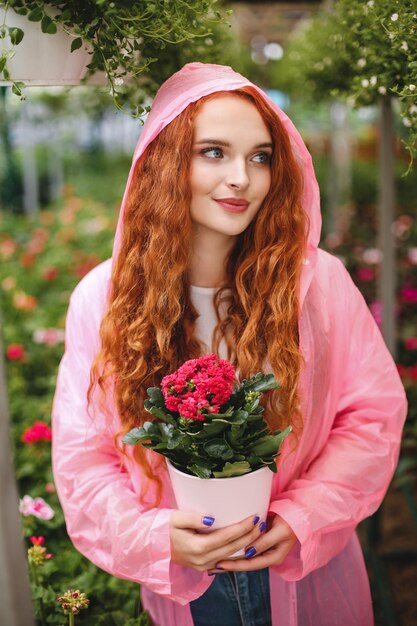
x,y
198,387
40,431
36,507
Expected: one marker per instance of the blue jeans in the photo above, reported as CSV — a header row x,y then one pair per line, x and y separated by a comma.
x,y
235,599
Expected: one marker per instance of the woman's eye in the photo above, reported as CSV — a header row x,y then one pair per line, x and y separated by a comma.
x,y
262,157
213,153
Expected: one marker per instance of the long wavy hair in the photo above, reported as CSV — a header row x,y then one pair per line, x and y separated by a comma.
x,y
148,329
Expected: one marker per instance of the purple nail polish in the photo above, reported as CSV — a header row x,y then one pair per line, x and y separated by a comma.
x,y
220,568
256,520
262,526
249,552
211,573
207,520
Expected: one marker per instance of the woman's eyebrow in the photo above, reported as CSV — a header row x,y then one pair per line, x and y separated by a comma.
x,y
226,144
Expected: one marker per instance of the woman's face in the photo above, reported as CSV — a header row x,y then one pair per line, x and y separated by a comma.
x,y
230,167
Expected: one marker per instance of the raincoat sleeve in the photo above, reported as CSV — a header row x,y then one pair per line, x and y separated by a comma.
x,y
104,517
348,478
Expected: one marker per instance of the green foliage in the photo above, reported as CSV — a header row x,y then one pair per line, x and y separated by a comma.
x,y
362,51
230,443
136,44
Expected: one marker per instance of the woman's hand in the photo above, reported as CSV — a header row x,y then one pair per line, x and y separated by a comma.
x,y
269,549
192,547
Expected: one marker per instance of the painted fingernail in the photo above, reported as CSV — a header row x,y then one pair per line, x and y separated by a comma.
x,y
212,573
249,552
207,520
262,526
256,519
220,568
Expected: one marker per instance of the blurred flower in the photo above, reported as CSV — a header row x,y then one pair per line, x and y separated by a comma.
x,y
73,601
8,283
404,46
36,507
412,372
402,225
67,216
50,273
48,336
7,248
376,310
382,90
50,488
410,343
15,352
365,274
412,255
365,82
394,17
47,218
407,122
401,370
24,302
37,541
409,294
411,87
37,554
39,431
333,240
361,62
373,80
373,256
27,259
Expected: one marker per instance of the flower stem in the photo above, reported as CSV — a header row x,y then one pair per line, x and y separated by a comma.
x,y
71,619
40,601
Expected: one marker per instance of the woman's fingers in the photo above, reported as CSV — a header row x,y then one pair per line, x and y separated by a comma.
x,y
192,543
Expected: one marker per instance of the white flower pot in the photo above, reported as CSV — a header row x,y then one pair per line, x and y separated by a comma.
x,y
41,59
228,500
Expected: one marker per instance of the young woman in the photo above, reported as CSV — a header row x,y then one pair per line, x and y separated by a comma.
x,y
216,249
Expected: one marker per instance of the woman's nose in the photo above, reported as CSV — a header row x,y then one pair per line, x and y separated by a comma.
x,y
237,174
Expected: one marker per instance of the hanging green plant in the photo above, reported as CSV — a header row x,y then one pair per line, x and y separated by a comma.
x,y
125,39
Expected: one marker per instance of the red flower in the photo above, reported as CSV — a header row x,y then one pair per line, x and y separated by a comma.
x,y
410,343
50,273
15,352
37,541
365,274
40,431
198,387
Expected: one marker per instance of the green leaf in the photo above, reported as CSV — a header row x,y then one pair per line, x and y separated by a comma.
x,y
149,430
162,415
200,469
47,25
156,396
3,61
233,469
218,448
35,15
16,35
210,429
270,444
76,44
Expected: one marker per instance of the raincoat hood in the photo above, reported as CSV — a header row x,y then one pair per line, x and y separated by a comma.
x,y
191,83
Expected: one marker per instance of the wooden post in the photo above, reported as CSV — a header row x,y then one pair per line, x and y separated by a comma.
x,y
387,277
15,595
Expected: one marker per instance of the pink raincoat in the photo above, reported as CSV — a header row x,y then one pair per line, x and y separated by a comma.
x,y
353,407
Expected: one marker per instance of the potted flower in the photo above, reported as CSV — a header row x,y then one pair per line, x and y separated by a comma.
x,y
119,39
221,454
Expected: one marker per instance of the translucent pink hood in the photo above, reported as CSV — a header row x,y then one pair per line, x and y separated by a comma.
x,y
192,82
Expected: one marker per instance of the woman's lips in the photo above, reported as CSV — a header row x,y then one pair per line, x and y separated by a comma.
x,y
233,205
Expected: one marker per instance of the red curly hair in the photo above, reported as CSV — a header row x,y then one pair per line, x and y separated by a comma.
x,y
148,328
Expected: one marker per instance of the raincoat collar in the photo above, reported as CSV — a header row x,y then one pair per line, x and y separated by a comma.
x,y
189,84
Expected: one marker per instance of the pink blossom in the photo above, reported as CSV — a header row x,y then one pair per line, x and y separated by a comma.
x,y
365,274
410,343
198,387
39,431
36,507
409,294
412,255
15,352
49,336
